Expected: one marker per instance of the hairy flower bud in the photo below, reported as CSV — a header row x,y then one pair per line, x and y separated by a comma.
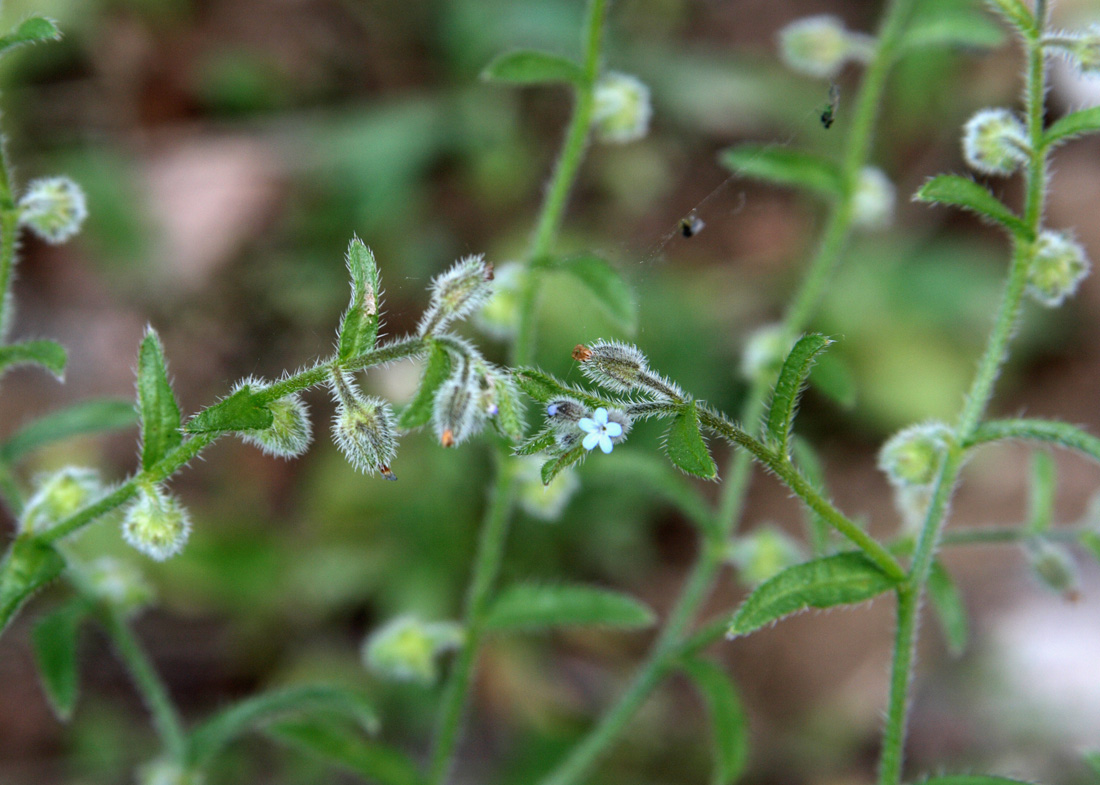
x,y
290,432
995,142
621,367
363,428
456,293
622,108
58,496
1082,49
1058,265
406,648
819,46
54,208
545,502
156,523
763,553
912,456
874,199
118,584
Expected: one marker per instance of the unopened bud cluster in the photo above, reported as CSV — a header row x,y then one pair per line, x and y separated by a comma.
x,y
621,367
912,456
58,496
1082,49
54,208
457,293
155,523
363,428
995,142
118,584
622,108
407,649
290,432
820,46
470,396
574,423
1058,265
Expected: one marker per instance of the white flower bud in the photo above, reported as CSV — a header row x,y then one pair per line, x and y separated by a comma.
x,y
765,350
290,432
363,428
1057,266
912,456
119,584
156,523
58,496
622,108
874,200
407,649
456,293
995,142
545,502
53,208
1082,49
763,553
167,772
819,46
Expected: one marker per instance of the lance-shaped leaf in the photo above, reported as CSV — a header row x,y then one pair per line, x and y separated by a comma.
x,y
87,417
436,371
843,579
28,566
789,387
685,447
1048,431
605,284
544,387
157,407
540,442
342,747
530,66
950,610
1040,503
967,194
784,166
948,24
49,354
241,411
359,327
728,723
55,640
1016,13
546,606
556,466
972,779
30,31
1086,121
253,713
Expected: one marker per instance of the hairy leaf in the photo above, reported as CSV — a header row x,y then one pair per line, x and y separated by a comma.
x,y
789,387
963,192
28,566
685,447
949,607
529,66
157,407
548,606
241,411
49,354
843,579
1086,121
30,31
55,639
1049,431
1015,13
728,723
359,326
556,466
784,166
87,417
436,370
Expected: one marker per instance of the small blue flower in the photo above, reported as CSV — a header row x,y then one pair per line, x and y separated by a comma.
x,y
599,430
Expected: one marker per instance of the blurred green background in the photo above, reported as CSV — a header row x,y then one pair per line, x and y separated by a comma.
x,y
230,148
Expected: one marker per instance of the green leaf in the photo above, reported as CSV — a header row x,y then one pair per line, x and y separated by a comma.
x,y
789,387
1092,760
30,31
544,387
1048,431
606,284
1090,541
160,414
784,166
542,607
28,566
556,466
209,738
241,411
87,417
55,640
529,66
833,378
341,747
949,607
1015,13
49,354
972,779
685,447
843,579
1086,121
967,194
436,371
952,26
1041,496
359,327
540,442
728,723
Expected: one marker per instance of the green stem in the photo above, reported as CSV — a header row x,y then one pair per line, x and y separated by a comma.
x,y
9,231
166,719
974,408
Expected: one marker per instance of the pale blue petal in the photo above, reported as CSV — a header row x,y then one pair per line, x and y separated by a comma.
x,y
605,443
587,424
614,430
590,441
601,416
